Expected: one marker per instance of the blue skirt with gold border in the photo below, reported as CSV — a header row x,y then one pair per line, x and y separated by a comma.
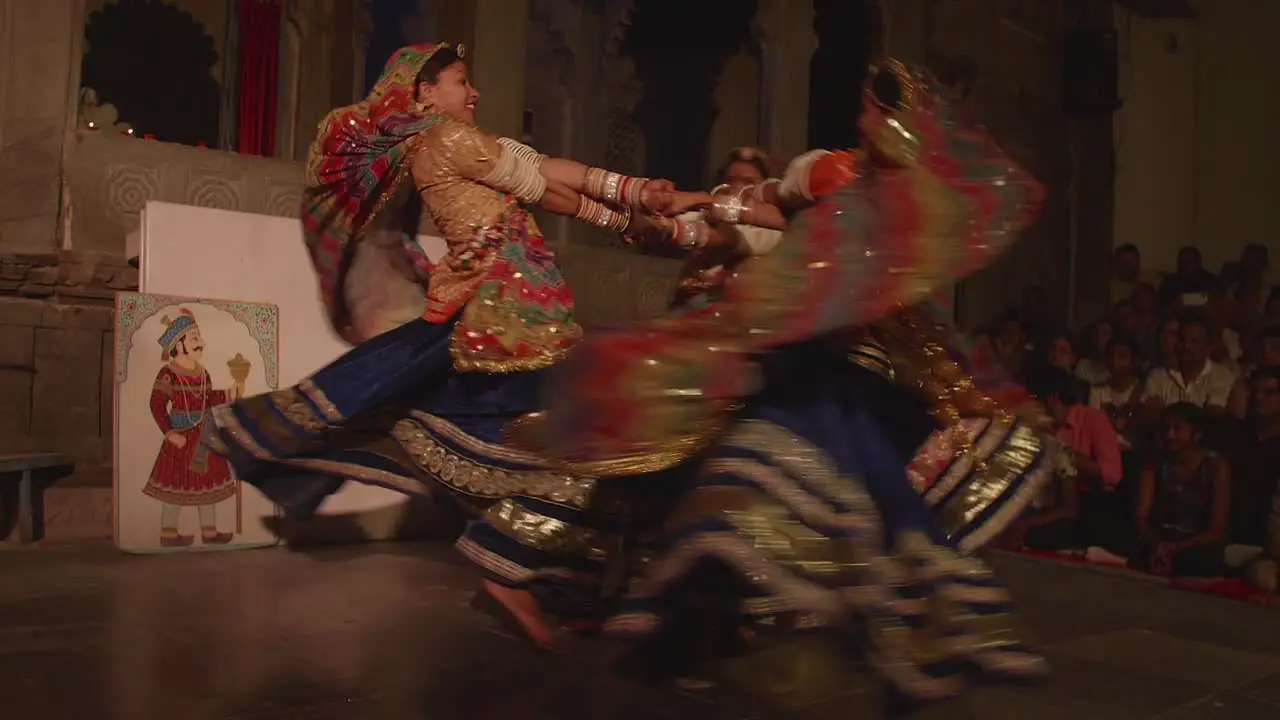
x,y
802,524
393,412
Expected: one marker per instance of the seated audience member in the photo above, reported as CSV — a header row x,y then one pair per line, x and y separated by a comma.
x,y
1224,341
1189,285
1011,343
1184,501
1089,438
1194,379
1246,279
1253,450
1120,396
1092,367
1262,352
1264,570
1167,336
1126,271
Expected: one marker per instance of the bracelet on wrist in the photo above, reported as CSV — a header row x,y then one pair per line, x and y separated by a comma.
x,y
612,187
727,206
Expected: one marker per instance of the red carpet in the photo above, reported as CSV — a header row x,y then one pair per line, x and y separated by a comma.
x,y
1223,587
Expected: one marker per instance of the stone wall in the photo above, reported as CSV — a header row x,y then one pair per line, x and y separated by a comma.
x,y
1015,51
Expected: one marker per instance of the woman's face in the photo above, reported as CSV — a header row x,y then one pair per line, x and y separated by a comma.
x,y
741,173
452,93
1178,435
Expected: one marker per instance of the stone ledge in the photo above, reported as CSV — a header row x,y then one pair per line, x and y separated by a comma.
x,y
80,278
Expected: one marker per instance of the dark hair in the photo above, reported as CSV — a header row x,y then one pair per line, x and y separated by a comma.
x,y
1256,249
1273,295
1270,332
1050,382
1192,415
431,69
1127,249
741,155
1195,317
1122,341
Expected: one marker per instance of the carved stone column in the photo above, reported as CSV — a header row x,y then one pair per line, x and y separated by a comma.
x,y
787,42
497,62
40,49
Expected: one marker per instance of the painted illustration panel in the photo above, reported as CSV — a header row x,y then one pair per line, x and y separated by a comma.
x,y
175,359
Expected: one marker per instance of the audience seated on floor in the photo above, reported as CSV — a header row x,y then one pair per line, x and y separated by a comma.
x,y
1184,501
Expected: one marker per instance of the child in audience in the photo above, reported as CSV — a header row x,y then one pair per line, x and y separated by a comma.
x,y
1121,394
1184,501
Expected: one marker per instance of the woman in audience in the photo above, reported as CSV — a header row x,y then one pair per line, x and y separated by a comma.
x,y
1092,367
1184,501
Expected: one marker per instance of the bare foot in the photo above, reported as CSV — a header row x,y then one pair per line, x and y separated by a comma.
x,y
524,608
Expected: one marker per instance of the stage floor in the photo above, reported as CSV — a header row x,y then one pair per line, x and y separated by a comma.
x,y
387,632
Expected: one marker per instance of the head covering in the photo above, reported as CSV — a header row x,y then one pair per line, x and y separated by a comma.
x,y
747,154
354,170
948,200
174,330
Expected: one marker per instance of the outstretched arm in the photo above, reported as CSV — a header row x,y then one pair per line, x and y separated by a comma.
x,y
595,183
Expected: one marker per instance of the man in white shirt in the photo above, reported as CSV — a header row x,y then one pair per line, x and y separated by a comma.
x,y
1196,380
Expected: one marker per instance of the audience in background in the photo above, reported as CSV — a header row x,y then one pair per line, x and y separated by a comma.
x,y
1195,379
1246,280
1189,285
1263,351
1085,433
1126,271
1184,501
1176,447
1120,395
1166,354
1253,450
1011,345
1092,366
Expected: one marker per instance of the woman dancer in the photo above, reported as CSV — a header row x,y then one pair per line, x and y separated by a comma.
x,y
902,362
421,405
801,514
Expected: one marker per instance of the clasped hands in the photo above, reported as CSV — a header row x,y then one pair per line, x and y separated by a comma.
x,y
660,197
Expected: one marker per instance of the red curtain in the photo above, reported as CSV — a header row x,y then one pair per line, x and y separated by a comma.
x,y
259,63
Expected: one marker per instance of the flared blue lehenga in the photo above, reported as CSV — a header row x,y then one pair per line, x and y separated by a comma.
x,y
802,518
393,412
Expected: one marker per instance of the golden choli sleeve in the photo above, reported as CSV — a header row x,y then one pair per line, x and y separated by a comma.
x,y
460,175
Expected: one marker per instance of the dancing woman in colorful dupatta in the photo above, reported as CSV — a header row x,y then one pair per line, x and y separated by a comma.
x,y
420,402
801,521
909,364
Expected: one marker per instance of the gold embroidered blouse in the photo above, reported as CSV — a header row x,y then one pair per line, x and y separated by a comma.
x,y
451,158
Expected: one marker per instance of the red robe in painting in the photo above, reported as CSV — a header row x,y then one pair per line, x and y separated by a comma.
x,y
187,475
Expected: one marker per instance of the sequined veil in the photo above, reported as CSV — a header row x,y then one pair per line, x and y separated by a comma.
x,y
800,518
419,405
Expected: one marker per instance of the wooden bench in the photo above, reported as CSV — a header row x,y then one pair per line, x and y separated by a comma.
x,y
27,470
